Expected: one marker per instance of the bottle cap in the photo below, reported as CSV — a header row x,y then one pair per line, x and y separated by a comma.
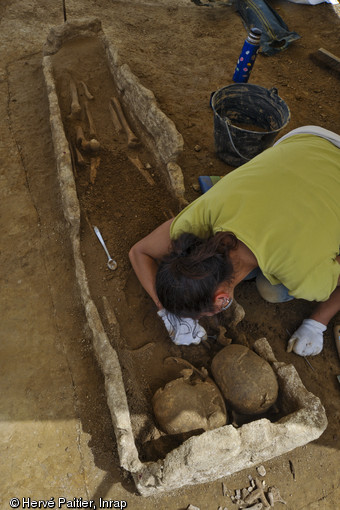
x,y
254,36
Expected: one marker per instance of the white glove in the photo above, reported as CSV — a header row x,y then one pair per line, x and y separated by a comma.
x,y
182,330
307,339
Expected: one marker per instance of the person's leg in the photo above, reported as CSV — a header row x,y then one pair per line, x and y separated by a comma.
x,y
272,293
332,137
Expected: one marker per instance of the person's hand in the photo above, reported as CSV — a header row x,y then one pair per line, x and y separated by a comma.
x,y
307,339
182,330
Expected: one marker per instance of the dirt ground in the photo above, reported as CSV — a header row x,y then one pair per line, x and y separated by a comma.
x,y
182,52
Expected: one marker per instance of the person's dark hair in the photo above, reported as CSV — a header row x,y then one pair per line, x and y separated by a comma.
x,y
188,277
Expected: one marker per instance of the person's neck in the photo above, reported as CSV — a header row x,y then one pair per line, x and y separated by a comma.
x,y
243,260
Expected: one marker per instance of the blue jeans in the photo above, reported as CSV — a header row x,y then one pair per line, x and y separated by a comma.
x,y
271,293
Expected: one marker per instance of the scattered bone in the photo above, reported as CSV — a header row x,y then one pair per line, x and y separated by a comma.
x,y
261,470
116,124
237,494
203,373
132,140
192,507
257,506
252,484
75,106
95,162
110,315
92,129
221,338
238,314
257,494
274,496
79,158
225,490
85,145
87,93
139,165
244,493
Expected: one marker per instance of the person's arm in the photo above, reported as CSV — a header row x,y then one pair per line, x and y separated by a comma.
x,y
326,310
308,338
144,255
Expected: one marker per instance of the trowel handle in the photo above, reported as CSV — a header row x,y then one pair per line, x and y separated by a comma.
x,y
96,229
336,331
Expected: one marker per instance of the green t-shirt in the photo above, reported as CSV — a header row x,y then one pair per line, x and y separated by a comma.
x,y
285,206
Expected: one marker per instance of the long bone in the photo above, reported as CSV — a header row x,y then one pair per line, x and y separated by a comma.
x,y
116,123
86,91
86,145
92,128
132,140
140,167
75,106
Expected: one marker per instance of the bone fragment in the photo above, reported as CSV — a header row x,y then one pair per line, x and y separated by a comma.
x,y
87,93
79,158
244,493
139,165
92,128
225,490
86,145
132,140
202,373
221,338
95,162
257,494
116,124
75,106
261,470
110,315
274,496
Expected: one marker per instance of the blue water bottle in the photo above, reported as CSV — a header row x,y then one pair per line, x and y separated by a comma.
x,y
248,55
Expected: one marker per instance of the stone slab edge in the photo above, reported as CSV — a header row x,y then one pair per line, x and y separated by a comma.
x,y
163,139
213,454
106,355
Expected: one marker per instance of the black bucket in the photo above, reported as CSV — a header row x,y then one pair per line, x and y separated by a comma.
x,y
247,118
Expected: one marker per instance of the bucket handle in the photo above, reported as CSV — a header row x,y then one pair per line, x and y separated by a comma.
x,y
232,143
